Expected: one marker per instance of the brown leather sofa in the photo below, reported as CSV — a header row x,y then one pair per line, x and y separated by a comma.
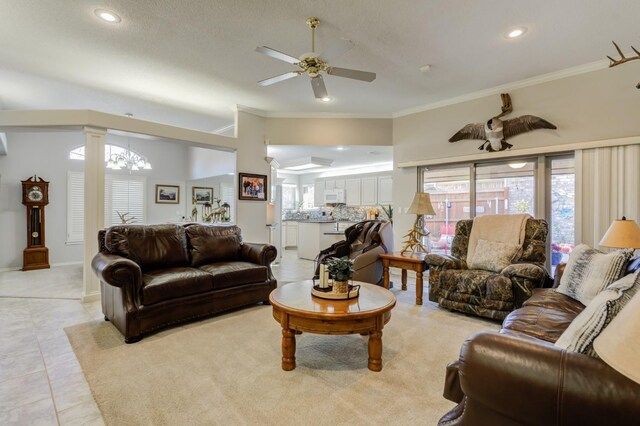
x,y
153,276
518,376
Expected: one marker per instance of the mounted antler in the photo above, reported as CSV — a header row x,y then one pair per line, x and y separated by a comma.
x,y
623,58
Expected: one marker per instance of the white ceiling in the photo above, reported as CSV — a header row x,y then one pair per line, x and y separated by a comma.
x,y
186,62
351,157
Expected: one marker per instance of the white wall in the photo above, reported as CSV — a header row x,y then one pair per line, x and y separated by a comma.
x,y
169,167
251,216
598,105
47,155
205,162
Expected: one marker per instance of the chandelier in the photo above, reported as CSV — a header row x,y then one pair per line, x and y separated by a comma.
x,y
128,160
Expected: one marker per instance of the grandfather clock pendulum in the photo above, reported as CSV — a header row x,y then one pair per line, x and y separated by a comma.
x,y
35,195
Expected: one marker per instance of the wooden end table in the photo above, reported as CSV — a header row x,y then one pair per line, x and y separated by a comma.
x,y
409,261
298,311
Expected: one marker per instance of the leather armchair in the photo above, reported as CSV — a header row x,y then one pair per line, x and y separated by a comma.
x,y
364,242
484,293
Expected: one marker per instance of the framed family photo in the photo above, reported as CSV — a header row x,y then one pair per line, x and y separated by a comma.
x,y
252,187
202,194
167,194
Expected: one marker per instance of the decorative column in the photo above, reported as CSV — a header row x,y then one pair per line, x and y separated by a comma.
x,y
93,206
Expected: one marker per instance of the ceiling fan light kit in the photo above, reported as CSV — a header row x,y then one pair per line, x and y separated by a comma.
x,y
313,64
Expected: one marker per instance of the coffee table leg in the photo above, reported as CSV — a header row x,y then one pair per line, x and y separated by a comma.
x,y
375,350
404,279
288,349
419,288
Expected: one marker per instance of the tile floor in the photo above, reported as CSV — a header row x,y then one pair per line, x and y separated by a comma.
x,y
41,381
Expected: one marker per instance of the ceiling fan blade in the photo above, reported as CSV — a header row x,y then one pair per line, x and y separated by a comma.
x,y
277,54
336,50
278,78
319,89
354,74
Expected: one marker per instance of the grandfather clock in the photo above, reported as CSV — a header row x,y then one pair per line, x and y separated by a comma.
x,y
35,195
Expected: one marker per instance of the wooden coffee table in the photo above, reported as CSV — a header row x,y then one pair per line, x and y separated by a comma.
x,y
298,311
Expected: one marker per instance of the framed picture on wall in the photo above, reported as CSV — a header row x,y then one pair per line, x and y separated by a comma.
x,y
202,194
252,187
167,194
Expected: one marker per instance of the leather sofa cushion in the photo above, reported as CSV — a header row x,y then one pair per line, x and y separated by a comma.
x,y
150,246
549,298
538,321
209,244
231,274
172,283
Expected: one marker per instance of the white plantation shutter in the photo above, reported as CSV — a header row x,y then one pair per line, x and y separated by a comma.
x,y
228,194
75,207
123,194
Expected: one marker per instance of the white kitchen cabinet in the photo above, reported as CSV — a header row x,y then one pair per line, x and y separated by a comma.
x,y
309,246
369,194
385,190
352,192
340,183
318,193
290,231
329,184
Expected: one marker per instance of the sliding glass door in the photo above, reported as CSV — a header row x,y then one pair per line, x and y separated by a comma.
x,y
505,187
450,196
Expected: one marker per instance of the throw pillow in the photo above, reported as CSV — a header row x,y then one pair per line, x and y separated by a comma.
x,y
583,330
493,255
589,271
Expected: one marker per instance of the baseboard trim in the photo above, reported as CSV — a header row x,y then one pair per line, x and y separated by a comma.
x,y
14,268
53,265
92,297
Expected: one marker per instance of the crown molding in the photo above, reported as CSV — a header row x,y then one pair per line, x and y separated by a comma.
x,y
544,78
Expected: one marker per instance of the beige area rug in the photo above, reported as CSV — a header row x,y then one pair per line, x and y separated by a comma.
x,y
226,371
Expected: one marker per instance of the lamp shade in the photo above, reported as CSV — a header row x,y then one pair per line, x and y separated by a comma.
x,y
619,343
421,204
622,234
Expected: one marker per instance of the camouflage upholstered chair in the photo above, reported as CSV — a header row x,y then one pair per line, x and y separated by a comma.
x,y
485,293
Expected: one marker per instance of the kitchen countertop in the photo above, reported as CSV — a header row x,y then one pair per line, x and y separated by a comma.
x,y
334,233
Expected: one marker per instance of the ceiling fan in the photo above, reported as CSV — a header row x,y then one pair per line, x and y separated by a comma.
x,y
313,64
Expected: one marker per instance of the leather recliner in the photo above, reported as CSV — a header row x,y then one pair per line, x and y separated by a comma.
x,y
363,243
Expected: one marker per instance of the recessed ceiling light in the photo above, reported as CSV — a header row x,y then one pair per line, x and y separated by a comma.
x,y
425,68
516,32
340,148
107,15
326,99
517,165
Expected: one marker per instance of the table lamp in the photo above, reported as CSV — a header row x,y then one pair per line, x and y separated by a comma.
x,y
420,206
622,233
619,343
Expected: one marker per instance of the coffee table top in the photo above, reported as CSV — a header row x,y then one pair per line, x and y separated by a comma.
x,y
296,298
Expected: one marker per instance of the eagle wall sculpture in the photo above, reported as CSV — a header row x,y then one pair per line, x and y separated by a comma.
x,y
495,132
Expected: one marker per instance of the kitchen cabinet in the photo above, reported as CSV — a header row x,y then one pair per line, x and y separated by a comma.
x,y
290,231
329,184
352,192
385,190
340,183
318,193
369,194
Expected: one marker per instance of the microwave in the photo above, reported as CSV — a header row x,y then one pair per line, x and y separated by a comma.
x,y
334,196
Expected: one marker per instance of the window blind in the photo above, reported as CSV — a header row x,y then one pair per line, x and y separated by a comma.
x,y
75,207
124,194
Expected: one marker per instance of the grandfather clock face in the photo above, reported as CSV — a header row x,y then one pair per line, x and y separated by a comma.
x,y
35,196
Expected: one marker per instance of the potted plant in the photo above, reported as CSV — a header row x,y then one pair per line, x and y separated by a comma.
x,y
342,270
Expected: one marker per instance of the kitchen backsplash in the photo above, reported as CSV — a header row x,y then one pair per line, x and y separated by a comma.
x,y
340,212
